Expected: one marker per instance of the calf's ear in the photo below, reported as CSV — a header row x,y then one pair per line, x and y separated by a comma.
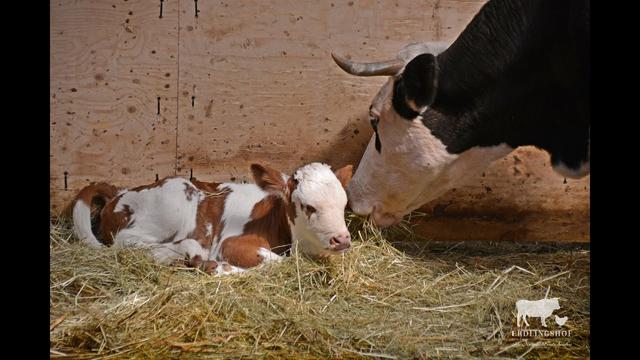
x,y
268,179
344,175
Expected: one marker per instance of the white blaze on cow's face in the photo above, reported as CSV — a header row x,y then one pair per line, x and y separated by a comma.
x,y
413,166
319,200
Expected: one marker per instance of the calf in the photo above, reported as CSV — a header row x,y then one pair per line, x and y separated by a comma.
x,y
221,227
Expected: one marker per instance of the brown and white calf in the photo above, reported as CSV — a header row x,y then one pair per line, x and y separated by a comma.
x,y
222,227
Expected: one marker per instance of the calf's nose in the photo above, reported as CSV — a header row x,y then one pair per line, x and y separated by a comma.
x,y
340,242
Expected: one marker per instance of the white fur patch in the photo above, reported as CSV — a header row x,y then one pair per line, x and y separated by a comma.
x,y
159,214
268,255
467,166
230,269
166,253
318,187
209,227
82,224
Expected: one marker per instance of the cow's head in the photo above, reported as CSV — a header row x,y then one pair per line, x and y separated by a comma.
x,y
315,199
406,164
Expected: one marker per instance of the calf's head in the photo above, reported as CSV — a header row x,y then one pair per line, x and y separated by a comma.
x,y
315,200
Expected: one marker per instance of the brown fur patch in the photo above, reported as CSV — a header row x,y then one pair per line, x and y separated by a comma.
x,y
209,212
268,179
103,190
344,175
95,194
111,222
242,250
97,197
268,228
269,221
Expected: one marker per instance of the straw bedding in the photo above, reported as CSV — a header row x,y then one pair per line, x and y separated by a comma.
x,y
394,295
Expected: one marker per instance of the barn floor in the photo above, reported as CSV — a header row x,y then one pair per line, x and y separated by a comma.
x,y
392,296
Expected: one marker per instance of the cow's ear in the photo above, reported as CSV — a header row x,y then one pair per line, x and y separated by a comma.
x,y
344,175
419,81
268,179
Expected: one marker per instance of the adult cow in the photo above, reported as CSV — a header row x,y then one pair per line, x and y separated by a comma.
x,y
517,75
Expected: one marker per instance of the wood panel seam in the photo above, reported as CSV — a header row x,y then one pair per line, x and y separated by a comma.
x,y
175,166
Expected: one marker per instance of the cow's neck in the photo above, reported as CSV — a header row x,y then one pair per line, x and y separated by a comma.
x,y
269,220
497,97
483,50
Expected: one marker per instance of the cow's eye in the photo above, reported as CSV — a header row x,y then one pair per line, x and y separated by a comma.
x,y
374,120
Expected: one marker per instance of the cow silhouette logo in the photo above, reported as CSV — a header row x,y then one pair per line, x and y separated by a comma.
x,y
542,308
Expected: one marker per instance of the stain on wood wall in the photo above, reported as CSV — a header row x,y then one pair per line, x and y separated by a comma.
x,y
253,81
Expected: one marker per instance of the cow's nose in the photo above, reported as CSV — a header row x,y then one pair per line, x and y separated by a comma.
x,y
383,219
340,242
360,208
357,203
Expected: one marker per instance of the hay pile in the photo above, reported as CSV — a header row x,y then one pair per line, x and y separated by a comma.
x,y
392,296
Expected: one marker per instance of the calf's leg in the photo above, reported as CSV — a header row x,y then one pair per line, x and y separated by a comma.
x,y
247,251
177,250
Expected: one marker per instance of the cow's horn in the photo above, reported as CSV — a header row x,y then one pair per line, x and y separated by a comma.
x,y
390,67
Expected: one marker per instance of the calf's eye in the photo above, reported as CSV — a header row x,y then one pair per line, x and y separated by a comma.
x,y
308,209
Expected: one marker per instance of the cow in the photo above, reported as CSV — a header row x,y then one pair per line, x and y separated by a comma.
x,y
542,308
517,75
221,228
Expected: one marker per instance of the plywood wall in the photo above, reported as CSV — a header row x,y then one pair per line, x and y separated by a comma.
x,y
110,62
253,81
